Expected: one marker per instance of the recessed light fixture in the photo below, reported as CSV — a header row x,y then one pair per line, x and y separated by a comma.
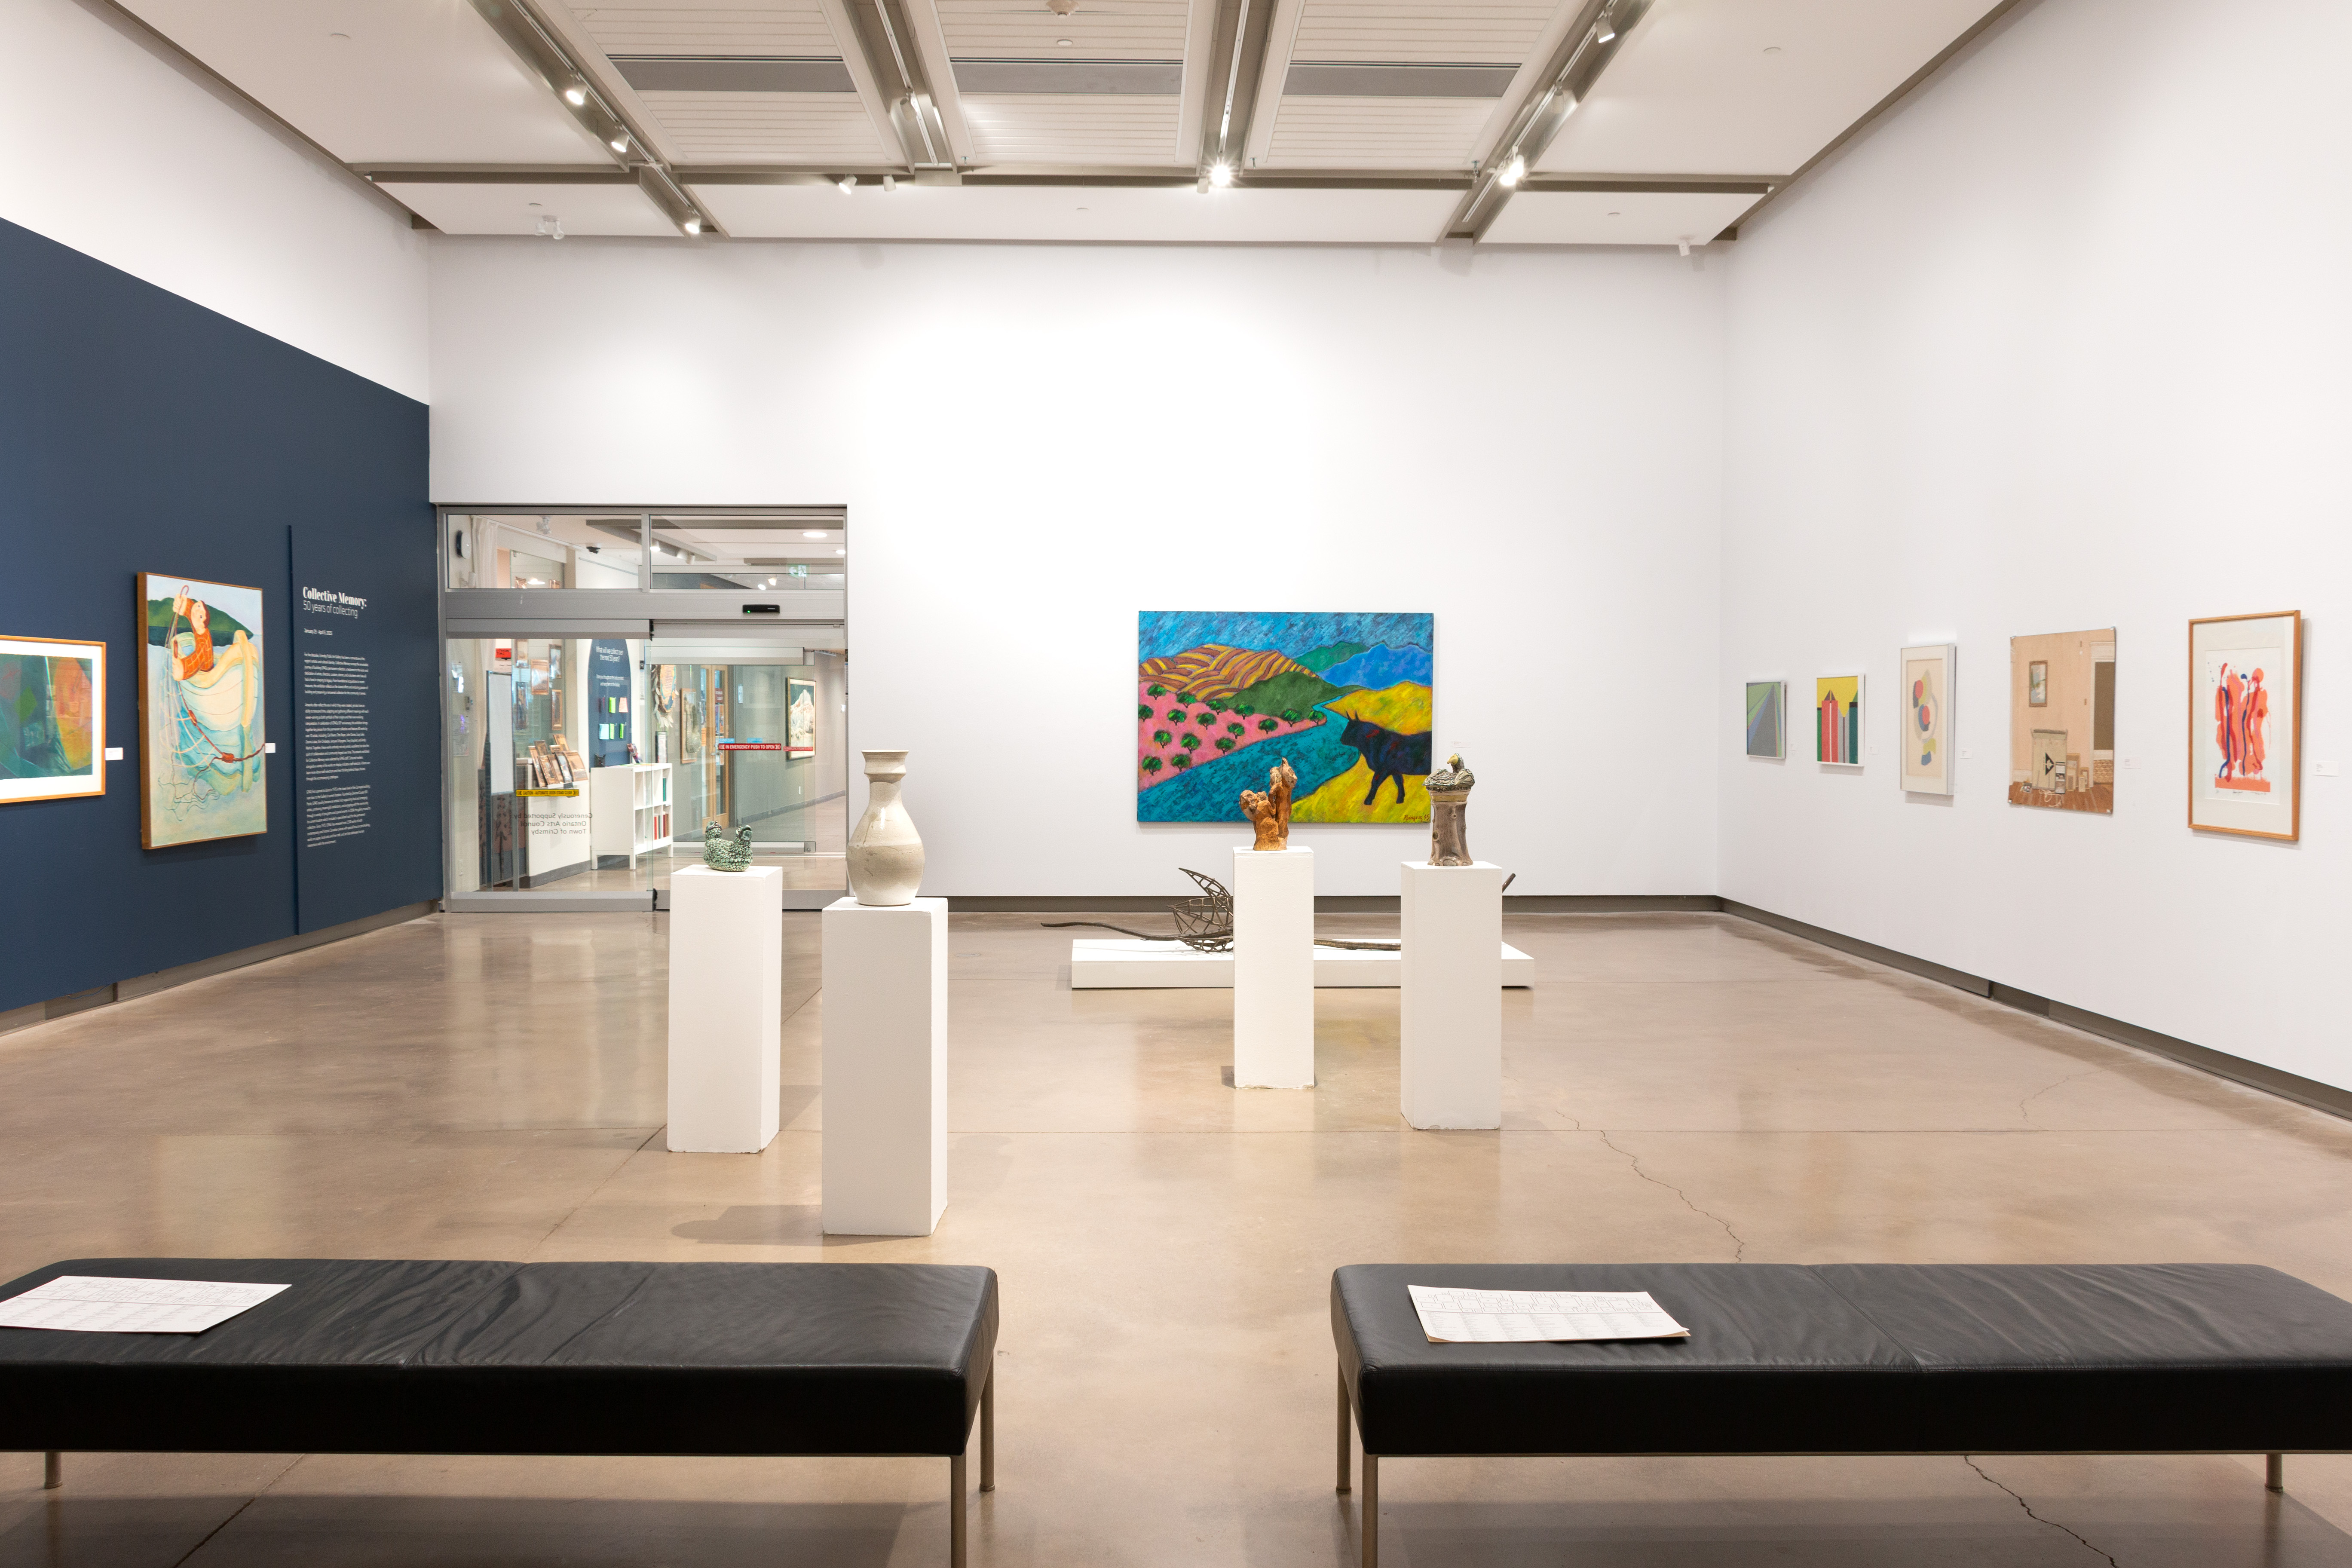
x,y
1220,175
841,552
1616,215
1513,171
344,37
1771,48
812,533
575,96
1065,43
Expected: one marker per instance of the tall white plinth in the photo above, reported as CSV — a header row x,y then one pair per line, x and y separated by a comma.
x,y
886,1068
1450,1001
726,1008
1274,969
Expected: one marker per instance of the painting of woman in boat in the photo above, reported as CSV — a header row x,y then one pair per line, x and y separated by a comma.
x,y
200,706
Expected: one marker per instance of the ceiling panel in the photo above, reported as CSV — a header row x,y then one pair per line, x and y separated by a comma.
x,y
1101,29
1074,128
1425,30
382,83
786,28
606,209
1615,217
767,127
1748,87
1133,214
1375,133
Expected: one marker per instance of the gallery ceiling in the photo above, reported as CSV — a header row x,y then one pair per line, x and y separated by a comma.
x,y
1503,122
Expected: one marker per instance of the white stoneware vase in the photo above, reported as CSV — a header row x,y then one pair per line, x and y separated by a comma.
x,y
886,852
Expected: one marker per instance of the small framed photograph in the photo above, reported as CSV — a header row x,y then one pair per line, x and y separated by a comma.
x,y
2245,724
2037,683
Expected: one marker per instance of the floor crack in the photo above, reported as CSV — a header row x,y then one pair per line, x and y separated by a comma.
x,y
2027,1115
1738,1247
1979,1469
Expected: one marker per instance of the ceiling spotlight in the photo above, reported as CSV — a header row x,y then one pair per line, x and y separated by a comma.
x,y
1604,29
848,184
889,183
618,143
575,96
551,227
812,533
1220,175
1513,171
841,552
693,225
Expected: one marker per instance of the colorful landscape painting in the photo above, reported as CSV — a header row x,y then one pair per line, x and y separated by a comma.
x,y
1837,733
52,718
1221,696
1766,729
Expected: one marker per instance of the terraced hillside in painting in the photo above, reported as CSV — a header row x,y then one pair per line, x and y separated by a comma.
x,y
1346,698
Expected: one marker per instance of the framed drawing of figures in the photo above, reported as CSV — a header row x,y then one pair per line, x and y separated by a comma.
x,y
2245,724
201,715
1927,726
52,718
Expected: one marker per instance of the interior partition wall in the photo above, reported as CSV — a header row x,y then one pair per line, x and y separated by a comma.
x,y
615,679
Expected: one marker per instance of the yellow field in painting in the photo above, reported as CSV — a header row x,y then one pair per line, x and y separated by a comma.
x,y
1402,708
1342,799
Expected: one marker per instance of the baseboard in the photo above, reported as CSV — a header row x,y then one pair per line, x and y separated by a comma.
x,y
220,964
1342,904
2325,1097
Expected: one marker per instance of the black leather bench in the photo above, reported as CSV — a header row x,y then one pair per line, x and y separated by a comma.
x,y
391,1357
1857,1359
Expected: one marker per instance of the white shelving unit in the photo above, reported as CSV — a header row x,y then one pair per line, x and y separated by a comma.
x,y
632,806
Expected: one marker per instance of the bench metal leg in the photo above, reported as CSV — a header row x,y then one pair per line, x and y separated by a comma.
x,y
987,1433
53,1471
1370,1508
955,1512
2274,1473
1345,1450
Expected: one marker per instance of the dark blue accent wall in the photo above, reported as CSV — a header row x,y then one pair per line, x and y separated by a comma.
x,y
140,432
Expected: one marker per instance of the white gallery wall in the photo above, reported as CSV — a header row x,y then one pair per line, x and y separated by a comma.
x,y
1034,443
127,160
2062,345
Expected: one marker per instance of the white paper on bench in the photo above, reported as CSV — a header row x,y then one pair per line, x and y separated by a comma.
x,y
96,1305
1451,1316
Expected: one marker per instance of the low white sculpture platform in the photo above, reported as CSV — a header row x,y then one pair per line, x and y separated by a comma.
x,y
1124,964
885,1159
726,1010
1273,968
1450,1009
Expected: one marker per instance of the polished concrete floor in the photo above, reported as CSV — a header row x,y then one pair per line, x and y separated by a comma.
x,y
1677,1086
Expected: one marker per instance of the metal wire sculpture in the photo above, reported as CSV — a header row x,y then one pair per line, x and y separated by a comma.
x,y
1205,924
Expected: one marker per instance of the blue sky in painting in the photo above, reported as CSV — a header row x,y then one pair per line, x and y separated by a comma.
x,y
1161,633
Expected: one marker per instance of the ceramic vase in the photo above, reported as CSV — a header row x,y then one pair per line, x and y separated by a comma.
x,y
886,852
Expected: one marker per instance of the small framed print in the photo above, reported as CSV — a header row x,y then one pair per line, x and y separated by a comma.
x,y
1767,728
2037,684
1837,735
1927,727
2245,724
52,718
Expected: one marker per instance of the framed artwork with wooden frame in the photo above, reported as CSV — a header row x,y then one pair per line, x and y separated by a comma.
x,y
2245,724
52,718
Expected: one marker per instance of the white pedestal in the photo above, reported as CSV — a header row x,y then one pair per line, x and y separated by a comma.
x,y
726,1008
1274,969
1450,1007
886,1068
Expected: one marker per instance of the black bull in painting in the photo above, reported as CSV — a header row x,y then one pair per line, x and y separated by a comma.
x,y
1388,754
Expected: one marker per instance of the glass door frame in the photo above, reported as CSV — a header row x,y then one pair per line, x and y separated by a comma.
x,y
635,615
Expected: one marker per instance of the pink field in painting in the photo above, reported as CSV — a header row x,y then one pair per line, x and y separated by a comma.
x,y
1167,730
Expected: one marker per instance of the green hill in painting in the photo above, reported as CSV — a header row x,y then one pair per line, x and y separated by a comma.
x,y
223,625
1322,659
1292,691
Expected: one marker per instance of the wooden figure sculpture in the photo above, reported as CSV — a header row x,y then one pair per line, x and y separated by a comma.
x,y
1270,813
1449,807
